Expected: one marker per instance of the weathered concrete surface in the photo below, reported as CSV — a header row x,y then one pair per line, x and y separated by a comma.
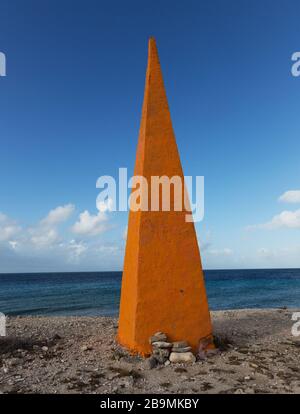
x,y
162,287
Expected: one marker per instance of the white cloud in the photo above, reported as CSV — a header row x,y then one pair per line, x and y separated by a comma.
x,y
44,246
42,237
104,206
289,219
286,218
45,233
220,252
77,247
89,224
75,250
110,249
93,224
58,215
292,196
8,227
13,244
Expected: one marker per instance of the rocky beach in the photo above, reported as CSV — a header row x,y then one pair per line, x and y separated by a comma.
x,y
257,354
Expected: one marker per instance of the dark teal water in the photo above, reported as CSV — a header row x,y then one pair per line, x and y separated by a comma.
x,y
99,293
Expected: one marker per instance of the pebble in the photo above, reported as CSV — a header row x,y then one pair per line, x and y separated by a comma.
x,y
45,348
151,362
86,348
182,357
180,344
161,355
161,344
158,337
239,391
185,349
212,352
13,362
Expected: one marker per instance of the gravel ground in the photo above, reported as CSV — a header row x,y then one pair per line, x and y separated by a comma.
x,y
79,355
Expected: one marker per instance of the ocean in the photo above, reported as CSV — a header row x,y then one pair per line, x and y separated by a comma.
x,y
98,293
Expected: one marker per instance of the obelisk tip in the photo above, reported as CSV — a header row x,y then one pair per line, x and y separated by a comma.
x,y
152,49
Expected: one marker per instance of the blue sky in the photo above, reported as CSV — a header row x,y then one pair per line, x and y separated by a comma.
x,y
70,108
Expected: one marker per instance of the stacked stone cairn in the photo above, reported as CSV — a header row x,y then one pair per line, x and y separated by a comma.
x,y
165,352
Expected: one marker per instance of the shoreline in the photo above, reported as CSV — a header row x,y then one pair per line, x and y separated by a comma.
x,y
67,354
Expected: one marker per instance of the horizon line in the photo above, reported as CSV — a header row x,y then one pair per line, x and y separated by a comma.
x,y
121,271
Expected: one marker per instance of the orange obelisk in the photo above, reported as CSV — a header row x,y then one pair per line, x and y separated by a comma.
x,y
162,285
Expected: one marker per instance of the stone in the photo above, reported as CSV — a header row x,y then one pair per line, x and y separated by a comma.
x,y
151,362
158,337
161,355
86,348
180,344
162,344
203,354
185,349
239,391
13,362
182,357
163,352
45,348
212,352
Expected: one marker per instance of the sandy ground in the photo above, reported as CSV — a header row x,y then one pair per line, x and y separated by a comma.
x,y
79,355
